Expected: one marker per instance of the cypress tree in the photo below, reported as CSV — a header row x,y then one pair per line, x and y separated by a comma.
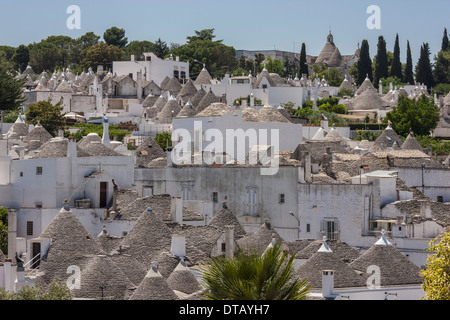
x,y
445,41
424,74
396,67
381,64
364,63
409,77
303,65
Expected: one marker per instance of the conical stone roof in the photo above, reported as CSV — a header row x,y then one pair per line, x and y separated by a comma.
x,y
395,268
154,287
208,99
366,85
188,111
411,143
132,268
203,78
149,101
326,259
259,240
71,245
163,83
147,151
198,97
225,217
387,139
173,86
183,280
38,133
101,272
147,237
170,111
188,91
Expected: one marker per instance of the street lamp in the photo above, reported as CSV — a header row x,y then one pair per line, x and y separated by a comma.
x,y
298,223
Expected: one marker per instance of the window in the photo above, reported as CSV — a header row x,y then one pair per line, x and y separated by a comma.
x,y
183,74
330,229
251,202
264,86
176,74
130,75
147,191
281,200
124,233
29,228
39,171
215,197
38,205
21,174
308,227
224,247
185,193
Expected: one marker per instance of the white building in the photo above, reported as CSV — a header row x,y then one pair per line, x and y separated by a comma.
x,y
153,68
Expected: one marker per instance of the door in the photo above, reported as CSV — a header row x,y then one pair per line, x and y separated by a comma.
x,y
103,192
36,255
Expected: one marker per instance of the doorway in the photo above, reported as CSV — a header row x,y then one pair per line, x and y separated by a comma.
x,y
103,194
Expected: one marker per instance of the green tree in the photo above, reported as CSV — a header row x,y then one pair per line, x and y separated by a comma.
x,y
80,47
408,77
242,62
442,67
436,276
115,37
64,45
4,230
44,56
259,58
303,65
164,140
205,34
217,57
137,48
396,67
11,91
381,66
21,57
252,276
57,290
444,45
48,115
424,73
274,65
161,49
364,63
102,54
9,51
421,116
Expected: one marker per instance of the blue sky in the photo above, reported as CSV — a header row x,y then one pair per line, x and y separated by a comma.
x,y
244,24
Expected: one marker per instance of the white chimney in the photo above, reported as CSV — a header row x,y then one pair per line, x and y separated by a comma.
x,y
21,152
178,247
426,210
12,233
252,100
8,275
328,284
139,85
105,139
177,209
229,241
